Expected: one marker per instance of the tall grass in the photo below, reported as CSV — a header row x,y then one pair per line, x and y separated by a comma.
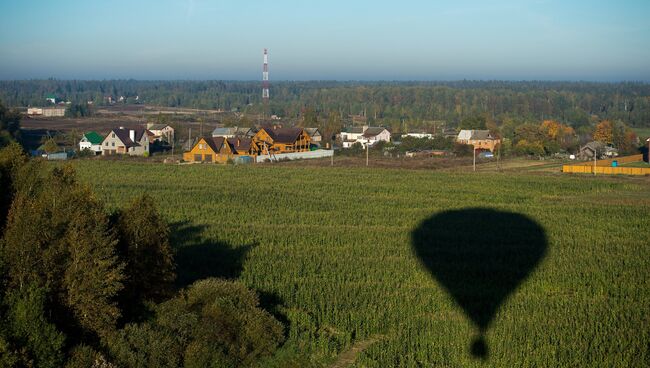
x,y
329,250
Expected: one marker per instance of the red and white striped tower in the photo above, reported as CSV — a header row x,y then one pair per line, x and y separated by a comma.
x,y
265,78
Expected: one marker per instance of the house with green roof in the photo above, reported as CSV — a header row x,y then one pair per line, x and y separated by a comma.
x,y
92,141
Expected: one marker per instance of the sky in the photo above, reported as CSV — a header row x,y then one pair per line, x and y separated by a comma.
x,y
590,40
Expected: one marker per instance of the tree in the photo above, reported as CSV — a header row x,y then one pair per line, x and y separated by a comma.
x,y
473,122
144,248
12,158
9,126
31,329
50,146
604,132
57,236
214,323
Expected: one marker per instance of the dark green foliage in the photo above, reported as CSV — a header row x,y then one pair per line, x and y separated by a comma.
x,y
215,323
9,126
473,122
83,356
12,158
462,150
57,236
144,248
453,101
30,328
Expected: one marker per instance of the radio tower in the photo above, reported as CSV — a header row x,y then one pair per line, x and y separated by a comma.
x,y
265,81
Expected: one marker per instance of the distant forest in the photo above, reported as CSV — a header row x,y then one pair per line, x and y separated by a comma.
x,y
577,104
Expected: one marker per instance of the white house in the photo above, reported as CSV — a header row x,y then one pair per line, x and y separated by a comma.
x,y
161,132
91,141
364,135
315,135
133,142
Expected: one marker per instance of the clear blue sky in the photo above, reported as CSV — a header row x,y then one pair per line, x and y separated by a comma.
x,y
334,39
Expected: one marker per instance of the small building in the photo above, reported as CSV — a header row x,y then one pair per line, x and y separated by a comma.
x,y
91,141
53,111
480,139
161,132
314,134
232,132
282,140
133,142
598,149
419,135
363,135
220,149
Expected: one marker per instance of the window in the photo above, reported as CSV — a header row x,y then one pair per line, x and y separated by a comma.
x,y
113,144
197,158
208,158
113,135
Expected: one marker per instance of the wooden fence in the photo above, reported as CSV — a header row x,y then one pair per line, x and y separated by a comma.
x,y
605,167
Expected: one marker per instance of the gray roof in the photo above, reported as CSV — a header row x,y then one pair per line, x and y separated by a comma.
x,y
220,132
157,126
481,135
354,129
373,131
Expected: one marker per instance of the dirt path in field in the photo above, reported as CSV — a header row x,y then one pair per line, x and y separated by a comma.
x,y
346,358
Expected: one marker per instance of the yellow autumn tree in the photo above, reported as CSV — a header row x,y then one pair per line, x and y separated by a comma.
x,y
604,132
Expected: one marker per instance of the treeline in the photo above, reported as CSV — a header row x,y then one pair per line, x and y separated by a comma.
x,y
81,287
573,103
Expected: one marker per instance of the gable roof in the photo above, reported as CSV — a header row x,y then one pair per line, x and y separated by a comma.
x,y
373,131
284,135
123,135
240,145
158,126
312,131
94,137
474,134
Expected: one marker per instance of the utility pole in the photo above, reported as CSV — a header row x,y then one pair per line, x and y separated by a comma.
x,y
595,158
189,140
367,150
332,157
474,151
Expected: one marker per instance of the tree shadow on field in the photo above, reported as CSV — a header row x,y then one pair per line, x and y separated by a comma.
x,y
480,256
198,258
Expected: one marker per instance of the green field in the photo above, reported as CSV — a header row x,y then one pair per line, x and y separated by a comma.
x,y
329,250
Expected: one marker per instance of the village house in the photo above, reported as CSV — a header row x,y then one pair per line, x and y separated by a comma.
x,y
480,139
314,134
364,135
599,149
282,140
220,149
161,132
91,141
133,142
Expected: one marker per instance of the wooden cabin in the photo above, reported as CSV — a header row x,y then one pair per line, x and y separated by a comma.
x,y
220,149
282,140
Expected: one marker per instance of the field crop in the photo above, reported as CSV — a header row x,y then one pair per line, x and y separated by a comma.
x,y
329,250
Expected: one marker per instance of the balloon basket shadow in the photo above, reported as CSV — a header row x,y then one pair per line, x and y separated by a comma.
x,y
479,348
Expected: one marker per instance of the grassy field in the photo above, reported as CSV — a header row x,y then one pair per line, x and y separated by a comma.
x,y
329,250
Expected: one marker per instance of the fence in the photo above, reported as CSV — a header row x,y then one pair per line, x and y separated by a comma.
x,y
296,155
605,167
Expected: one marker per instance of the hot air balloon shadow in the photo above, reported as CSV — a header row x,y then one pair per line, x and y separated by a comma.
x,y
480,256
